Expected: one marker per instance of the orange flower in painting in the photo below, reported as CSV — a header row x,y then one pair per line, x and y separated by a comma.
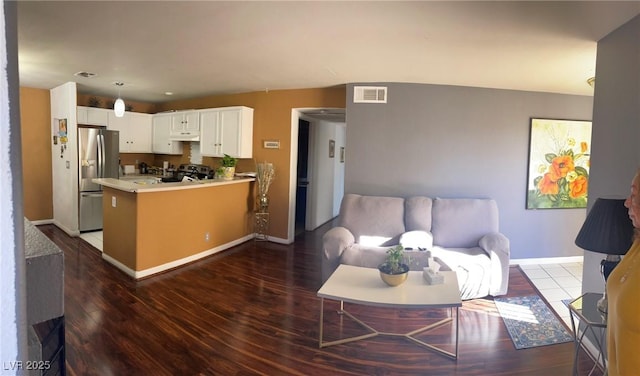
x,y
560,166
547,185
583,147
578,187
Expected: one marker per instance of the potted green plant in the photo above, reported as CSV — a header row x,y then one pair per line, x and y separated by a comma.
x,y
228,167
395,269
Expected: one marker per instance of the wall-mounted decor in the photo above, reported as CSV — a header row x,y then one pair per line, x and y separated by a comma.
x,y
62,130
559,153
271,144
61,134
332,148
341,154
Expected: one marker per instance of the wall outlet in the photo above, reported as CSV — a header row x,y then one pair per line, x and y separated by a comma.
x,y
113,201
207,237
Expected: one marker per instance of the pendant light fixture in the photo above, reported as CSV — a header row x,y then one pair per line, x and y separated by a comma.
x,y
118,106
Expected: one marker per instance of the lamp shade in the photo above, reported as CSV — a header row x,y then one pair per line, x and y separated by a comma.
x,y
118,107
607,229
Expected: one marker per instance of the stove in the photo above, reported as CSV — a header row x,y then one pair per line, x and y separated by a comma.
x,y
194,171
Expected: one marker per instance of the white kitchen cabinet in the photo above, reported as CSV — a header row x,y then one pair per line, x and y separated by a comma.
x,y
161,141
135,131
185,126
210,133
227,130
92,116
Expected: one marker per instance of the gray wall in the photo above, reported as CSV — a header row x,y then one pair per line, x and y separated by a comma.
x,y
616,126
451,141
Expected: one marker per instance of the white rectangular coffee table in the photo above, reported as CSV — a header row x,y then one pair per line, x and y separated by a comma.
x,y
358,285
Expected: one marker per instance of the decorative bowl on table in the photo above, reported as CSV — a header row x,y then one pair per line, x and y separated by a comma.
x,y
394,279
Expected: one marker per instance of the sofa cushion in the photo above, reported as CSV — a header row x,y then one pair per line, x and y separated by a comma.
x,y
460,223
372,220
417,213
416,240
472,267
360,255
371,257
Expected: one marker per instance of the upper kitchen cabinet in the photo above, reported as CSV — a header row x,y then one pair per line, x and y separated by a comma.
x,y
227,130
135,131
93,116
161,139
185,126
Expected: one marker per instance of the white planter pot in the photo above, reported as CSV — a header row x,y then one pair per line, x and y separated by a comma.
x,y
228,173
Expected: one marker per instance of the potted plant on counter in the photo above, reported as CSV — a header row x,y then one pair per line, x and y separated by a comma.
x,y
228,168
395,269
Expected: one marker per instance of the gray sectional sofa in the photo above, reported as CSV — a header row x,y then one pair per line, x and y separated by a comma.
x,y
460,234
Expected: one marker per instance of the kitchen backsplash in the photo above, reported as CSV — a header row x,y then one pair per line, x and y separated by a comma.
x,y
155,160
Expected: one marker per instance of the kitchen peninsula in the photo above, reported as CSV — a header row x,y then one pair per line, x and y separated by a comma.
x,y
149,228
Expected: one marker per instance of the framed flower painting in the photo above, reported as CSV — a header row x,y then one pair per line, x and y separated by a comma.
x,y
559,152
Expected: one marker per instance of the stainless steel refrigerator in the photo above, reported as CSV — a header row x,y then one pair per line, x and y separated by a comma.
x,y
98,156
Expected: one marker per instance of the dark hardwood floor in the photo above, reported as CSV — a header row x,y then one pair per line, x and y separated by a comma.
x,y
253,310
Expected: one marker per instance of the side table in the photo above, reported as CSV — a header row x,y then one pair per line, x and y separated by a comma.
x,y
586,318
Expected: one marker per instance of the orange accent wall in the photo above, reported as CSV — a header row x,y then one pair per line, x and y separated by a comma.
x,y
271,121
35,126
146,230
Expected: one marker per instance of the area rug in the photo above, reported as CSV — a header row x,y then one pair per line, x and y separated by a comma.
x,y
531,322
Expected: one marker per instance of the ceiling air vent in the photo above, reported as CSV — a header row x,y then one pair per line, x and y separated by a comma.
x,y
85,74
369,94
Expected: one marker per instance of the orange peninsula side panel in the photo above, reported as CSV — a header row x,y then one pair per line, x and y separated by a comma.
x,y
152,229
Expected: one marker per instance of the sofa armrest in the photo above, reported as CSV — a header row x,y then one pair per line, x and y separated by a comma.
x,y
497,247
334,242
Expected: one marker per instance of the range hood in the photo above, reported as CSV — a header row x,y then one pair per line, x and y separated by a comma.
x,y
184,137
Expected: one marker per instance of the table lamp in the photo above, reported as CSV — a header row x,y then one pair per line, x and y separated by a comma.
x,y
609,230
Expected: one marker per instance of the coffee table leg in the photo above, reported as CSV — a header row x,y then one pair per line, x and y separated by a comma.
x,y
457,326
374,332
321,321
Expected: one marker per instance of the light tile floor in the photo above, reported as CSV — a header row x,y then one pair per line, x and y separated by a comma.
x,y
557,282
94,238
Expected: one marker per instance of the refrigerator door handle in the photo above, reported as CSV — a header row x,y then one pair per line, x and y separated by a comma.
x,y
100,143
83,194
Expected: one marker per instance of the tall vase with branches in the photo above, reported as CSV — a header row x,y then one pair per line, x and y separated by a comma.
x,y
265,173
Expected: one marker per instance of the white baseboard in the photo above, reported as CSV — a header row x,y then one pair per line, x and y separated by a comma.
x,y
128,271
42,222
279,240
137,274
547,260
70,232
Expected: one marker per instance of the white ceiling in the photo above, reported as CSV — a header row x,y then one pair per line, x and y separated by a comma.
x,y
202,48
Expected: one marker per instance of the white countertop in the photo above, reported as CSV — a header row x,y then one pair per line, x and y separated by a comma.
x,y
146,184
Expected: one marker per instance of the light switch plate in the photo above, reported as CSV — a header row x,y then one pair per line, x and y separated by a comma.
x,y
113,201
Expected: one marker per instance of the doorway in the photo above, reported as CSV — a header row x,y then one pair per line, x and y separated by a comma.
x,y
302,176
317,186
